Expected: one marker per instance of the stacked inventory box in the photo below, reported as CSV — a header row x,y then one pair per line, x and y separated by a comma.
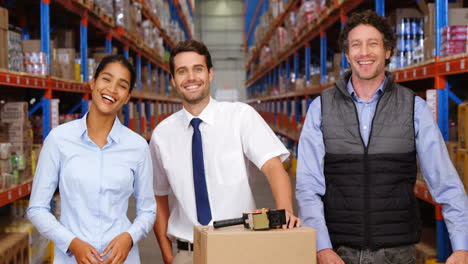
x,y
6,167
462,155
3,38
14,248
19,134
454,40
35,247
15,52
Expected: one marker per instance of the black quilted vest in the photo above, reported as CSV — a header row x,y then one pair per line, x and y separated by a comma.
x,y
369,200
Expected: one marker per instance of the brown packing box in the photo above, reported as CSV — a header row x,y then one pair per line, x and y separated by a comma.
x,y
144,78
66,60
99,56
34,45
457,16
233,245
65,38
462,163
462,125
14,248
429,47
3,18
452,148
429,22
400,13
3,48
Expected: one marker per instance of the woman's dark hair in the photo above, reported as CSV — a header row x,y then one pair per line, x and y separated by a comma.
x,y
190,45
122,60
371,18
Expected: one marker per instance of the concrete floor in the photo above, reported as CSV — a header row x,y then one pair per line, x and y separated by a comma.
x,y
149,249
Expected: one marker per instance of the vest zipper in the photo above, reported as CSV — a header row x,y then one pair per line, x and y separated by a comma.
x,y
367,238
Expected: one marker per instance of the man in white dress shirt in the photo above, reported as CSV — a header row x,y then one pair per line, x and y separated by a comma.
x,y
200,153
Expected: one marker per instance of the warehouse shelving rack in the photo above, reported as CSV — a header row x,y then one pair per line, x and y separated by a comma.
x,y
440,69
100,23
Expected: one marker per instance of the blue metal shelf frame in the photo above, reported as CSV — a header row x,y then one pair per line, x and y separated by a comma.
x,y
149,80
307,63
84,46
109,43
296,66
380,7
138,71
323,56
45,27
254,11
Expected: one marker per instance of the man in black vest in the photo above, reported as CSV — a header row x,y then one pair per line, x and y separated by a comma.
x,y
357,160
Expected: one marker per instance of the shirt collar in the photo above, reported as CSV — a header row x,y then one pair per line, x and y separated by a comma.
x,y
114,134
377,94
207,115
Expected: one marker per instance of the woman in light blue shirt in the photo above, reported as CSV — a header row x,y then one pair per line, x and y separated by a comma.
x,y
97,163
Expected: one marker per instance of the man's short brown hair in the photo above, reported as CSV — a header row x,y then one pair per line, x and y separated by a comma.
x,y
190,45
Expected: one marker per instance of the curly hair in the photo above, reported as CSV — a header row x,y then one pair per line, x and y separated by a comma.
x,y
368,17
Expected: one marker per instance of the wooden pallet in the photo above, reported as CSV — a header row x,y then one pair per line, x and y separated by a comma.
x,y
14,248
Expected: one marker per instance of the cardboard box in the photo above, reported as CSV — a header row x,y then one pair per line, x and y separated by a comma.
x,y
462,129
3,18
3,49
236,245
429,47
462,167
66,60
400,13
457,16
34,45
99,56
65,38
452,148
429,22
14,248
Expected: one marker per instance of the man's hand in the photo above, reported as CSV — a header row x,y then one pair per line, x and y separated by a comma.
x,y
118,248
328,256
291,220
84,253
458,257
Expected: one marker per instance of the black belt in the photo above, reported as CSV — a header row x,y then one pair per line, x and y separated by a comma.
x,y
183,245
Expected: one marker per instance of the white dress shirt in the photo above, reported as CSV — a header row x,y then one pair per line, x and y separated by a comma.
x,y
231,133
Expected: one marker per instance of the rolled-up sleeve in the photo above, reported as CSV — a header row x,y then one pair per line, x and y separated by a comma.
x,y
259,142
44,185
144,198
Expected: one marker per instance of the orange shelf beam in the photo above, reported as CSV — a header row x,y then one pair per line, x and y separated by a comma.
x,y
14,193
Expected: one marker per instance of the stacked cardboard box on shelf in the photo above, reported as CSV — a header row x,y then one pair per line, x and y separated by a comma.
x,y
3,38
19,135
35,60
15,52
462,155
14,248
37,246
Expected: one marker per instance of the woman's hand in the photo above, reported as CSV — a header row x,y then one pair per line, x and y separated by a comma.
x,y
118,248
84,253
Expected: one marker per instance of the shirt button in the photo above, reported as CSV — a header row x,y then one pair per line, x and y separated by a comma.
x,y
365,127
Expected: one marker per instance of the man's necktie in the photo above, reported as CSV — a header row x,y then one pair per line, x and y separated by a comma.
x,y
199,181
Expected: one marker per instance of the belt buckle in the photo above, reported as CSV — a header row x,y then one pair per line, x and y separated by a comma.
x,y
189,245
